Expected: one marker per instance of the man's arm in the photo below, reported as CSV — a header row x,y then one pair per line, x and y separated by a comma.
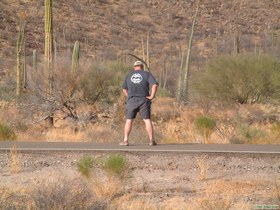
x,y
153,92
125,91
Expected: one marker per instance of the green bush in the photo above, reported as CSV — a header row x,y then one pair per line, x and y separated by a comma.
x,y
276,128
102,82
85,165
205,125
242,78
6,133
248,135
115,164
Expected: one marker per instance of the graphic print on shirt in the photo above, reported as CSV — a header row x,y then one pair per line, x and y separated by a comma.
x,y
136,78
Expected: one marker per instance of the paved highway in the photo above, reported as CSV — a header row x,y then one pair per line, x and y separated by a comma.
x,y
187,148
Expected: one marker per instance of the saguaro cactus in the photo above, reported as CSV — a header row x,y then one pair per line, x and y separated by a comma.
x,y
34,60
19,46
24,82
179,90
48,45
75,56
188,58
147,56
143,50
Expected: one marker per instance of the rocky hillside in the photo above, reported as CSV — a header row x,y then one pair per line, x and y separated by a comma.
x,y
108,29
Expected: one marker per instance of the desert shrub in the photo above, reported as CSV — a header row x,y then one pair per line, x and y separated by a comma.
x,y
115,164
65,194
205,126
7,89
240,78
224,203
163,92
21,126
102,82
6,133
64,91
15,199
276,128
85,165
248,135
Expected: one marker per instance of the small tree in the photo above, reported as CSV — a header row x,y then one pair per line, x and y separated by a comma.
x,y
242,78
64,93
102,81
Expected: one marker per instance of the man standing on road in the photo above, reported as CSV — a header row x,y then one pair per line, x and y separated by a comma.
x,y
136,88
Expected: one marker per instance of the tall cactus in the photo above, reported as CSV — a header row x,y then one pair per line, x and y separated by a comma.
x,y
24,82
143,51
188,58
75,56
55,52
148,43
179,90
34,60
147,56
19,46
48,46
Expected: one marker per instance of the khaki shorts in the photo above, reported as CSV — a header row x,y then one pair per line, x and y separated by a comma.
x,y
141,106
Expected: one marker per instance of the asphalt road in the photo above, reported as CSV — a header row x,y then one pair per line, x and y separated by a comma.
x,y
187,148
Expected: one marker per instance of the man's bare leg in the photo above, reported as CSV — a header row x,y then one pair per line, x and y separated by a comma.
x,y
127,129
149,128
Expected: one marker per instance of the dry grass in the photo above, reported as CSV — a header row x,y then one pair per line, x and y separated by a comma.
x,y
16,198
216,196
177,203
107,188
14,160
176,123
173,123
64,135
129,202
104,191
65,193
10,113
32,134
103,133
203,167
222,194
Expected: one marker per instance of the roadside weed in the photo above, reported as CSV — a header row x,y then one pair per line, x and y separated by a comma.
x,y
84,166
6,133
14,160
205,126
115,164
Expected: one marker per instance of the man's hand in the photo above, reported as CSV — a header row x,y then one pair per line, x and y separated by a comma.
x,y
150,97
154,91
125,91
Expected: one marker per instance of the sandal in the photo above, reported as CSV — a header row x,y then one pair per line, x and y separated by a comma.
x,y
124,143
153,143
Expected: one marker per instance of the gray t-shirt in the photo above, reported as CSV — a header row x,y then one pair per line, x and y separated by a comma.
x,y
138,83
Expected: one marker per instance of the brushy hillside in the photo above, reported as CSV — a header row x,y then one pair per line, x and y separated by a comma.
x,y
108,29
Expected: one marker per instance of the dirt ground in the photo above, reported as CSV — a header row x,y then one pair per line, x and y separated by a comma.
x,y
162,180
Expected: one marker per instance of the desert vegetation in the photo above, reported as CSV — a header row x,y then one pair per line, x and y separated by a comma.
x,y
70,88
58,93
138,181
62,68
